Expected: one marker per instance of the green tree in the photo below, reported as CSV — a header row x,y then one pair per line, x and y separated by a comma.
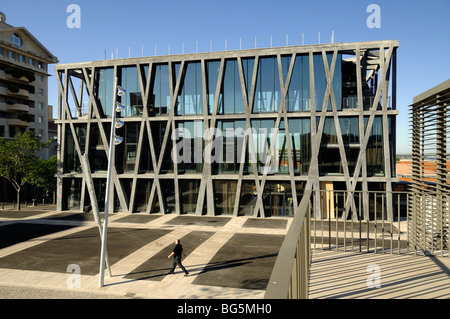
x,y
44,174
18,158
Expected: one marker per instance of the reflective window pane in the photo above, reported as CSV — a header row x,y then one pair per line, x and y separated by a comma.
x,y
298,95
232,91
224,196
159,99
104,90
212,75
268,93
188,195
132,99
190,99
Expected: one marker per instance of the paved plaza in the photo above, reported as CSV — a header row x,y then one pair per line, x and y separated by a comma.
x,y
227,258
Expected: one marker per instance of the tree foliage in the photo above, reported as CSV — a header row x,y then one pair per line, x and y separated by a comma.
x,y
18,158
43,174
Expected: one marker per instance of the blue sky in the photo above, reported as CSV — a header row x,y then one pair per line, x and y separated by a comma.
x,y
422,28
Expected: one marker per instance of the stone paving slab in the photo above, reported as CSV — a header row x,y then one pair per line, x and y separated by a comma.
x,y
138,246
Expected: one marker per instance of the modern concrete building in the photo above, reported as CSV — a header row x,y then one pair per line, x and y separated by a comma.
x,y
236,132
23,86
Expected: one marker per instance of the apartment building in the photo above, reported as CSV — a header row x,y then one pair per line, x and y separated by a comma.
x,y
23,86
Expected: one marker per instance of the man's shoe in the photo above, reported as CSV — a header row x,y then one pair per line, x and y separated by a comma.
x,y
186,274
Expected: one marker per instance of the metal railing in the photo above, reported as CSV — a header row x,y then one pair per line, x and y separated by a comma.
x,y
289,279
366,222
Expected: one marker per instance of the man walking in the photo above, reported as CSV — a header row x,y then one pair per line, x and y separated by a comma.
x,y
176,253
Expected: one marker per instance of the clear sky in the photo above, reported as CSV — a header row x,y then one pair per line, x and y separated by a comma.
x,y
421,27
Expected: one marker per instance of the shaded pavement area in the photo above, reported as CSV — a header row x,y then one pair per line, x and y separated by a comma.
x,y
227,257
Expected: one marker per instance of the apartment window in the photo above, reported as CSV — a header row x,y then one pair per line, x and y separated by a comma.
x,y
16,40
41,92
41,106
2,131
40,119
40,78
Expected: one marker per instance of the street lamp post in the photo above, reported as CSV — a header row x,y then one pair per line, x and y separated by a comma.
x,y
113,141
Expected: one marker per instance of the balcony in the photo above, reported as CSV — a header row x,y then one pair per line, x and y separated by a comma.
x,y
17,122
21,78
19,93
18,107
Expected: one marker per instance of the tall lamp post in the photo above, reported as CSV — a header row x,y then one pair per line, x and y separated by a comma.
x,y
113,141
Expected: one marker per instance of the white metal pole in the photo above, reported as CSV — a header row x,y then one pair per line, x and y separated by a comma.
x,y
108,183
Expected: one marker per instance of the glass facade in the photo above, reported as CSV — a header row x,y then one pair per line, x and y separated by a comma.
x,y
232,126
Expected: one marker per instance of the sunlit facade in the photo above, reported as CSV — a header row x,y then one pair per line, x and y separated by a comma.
x,y
229,133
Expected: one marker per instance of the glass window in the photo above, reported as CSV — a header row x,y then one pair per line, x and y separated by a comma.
x,y
320,82
247,67
329,131
268,93
104,90
158,132
132,100
143,190
16,40
248,198
190,98
232,135
232,101
277,199
145,162
189,146
72,192
126,151
188,195
71,160
159,99
374,151
300,132
168,192
330,161
349,87
298,95
212,75
349,129
224,196
262,138
97,152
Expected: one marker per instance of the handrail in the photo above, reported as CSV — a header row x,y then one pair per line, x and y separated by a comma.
x,y
279,285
